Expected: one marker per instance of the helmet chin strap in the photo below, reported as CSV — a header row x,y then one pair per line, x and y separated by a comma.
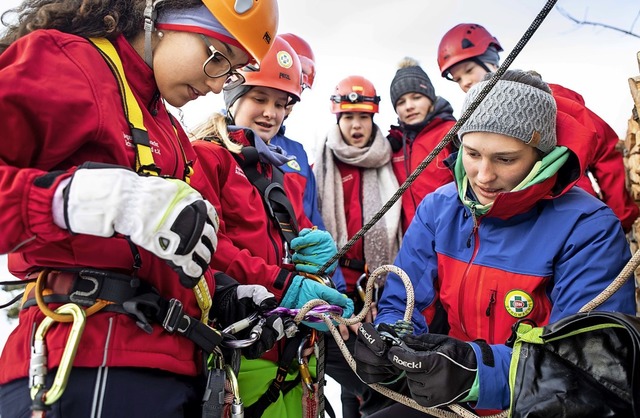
x,y
149,27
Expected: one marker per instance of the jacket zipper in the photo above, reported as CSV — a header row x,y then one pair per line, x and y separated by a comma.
x,y
492,302
461,292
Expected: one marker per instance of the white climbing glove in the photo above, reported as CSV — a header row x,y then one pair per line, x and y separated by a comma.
x,y
166,217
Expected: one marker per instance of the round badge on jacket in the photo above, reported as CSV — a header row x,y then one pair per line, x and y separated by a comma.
x,y
293,164
518,303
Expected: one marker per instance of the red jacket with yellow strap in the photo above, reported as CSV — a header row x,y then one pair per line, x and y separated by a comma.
x,y
61,107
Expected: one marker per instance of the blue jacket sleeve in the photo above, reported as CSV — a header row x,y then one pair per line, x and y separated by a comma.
x,y
310,200
419,260
493,380
594,254
338,280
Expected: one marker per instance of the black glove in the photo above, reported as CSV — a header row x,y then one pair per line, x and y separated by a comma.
x,y
233,302
440,369
372,365
395,138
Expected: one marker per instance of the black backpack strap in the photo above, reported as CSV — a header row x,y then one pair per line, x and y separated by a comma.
x,y
274,197
278,384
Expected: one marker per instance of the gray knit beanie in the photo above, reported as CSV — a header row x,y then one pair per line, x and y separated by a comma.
x,y
411,78
514,109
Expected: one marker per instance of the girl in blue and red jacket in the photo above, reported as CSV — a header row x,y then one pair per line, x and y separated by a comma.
x,y
509,239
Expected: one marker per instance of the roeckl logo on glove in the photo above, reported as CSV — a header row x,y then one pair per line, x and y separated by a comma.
x,y
407,364
367,336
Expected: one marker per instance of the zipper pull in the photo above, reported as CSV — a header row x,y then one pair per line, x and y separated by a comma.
x,y
492,301
472,208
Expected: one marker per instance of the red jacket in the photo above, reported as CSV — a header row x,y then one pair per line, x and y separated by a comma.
x,y
606,163
413,152
61,107
352,192
250,248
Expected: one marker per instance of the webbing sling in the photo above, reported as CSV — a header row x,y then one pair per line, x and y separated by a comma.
x,y
145,163
272,191
278,384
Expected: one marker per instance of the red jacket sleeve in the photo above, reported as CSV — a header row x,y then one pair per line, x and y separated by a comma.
x,y
608,169
221,181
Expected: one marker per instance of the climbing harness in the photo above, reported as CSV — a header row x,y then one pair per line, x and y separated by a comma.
x,y
280,210
145,163
274,197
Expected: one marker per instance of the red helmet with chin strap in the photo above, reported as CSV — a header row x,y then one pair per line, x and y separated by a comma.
x,y
464,41
307,58
355,94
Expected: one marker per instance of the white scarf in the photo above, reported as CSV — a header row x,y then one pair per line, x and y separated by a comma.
x,y
382,241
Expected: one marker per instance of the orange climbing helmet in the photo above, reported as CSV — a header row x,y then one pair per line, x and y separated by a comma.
x,y
462,42
307,59
280,70
252,22
355,94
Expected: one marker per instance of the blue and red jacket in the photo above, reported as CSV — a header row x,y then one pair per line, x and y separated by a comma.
x,y
540,253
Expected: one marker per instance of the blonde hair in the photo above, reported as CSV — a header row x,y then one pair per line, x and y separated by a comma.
x,y
215,130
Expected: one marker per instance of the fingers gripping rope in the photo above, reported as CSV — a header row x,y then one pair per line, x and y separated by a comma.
x,y
330,317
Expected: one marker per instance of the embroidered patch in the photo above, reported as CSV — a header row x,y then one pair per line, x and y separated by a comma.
x,y
284,59
518,303
293,164
240,172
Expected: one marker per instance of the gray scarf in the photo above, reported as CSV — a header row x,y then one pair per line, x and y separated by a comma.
x,y
379,183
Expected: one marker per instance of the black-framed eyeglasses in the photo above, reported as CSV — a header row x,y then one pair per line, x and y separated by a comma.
x,y
354,97
217,65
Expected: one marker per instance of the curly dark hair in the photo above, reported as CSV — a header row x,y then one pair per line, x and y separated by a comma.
x,y
87,18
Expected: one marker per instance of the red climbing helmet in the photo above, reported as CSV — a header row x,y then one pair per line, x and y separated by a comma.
x,y
464,41
307,59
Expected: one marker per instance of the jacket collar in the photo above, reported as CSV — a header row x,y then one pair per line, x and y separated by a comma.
x,y
139,75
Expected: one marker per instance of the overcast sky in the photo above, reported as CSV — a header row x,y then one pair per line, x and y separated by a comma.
x,y
369,38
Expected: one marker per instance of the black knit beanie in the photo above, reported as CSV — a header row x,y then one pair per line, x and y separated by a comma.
x,y
411,78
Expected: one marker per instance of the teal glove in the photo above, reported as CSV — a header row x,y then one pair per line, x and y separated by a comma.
x,y
313,248
302,290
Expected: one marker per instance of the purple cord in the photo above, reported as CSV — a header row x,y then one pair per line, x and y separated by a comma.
x,y
309,317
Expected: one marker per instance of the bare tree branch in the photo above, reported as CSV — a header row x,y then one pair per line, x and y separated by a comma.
x,y
603,25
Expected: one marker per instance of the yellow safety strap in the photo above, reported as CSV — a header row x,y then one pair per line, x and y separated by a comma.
x,y
144,156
